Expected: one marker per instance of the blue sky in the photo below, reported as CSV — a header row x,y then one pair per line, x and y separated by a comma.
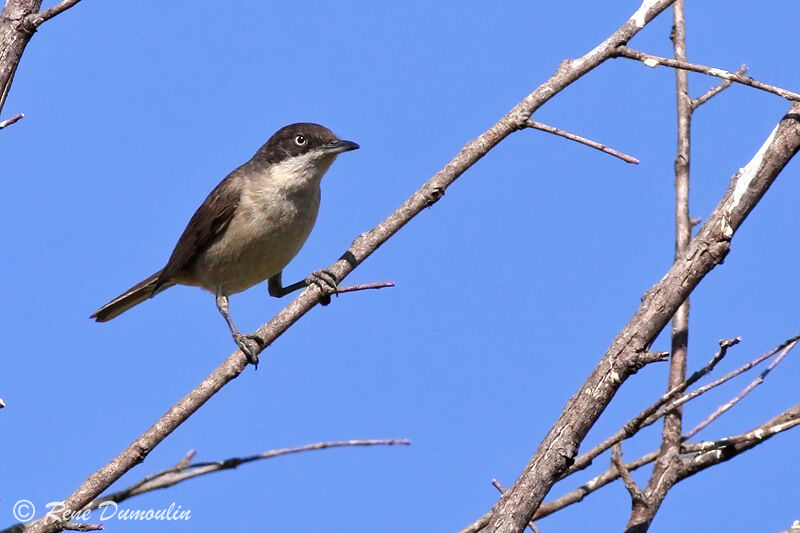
x,y
508,291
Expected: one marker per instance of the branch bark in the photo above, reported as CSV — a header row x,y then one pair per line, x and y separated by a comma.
x,y
661,480
783,422
651,413
15,33
18,22
555,454
747,390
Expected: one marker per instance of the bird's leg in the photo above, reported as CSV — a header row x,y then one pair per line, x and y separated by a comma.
x,y
242,341
323,279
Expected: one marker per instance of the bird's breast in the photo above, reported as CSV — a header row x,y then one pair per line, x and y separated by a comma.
x,y
269,227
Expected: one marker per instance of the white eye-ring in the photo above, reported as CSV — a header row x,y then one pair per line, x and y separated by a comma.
x,y
300,140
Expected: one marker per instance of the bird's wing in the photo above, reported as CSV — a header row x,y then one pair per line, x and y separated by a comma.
x,y
207,224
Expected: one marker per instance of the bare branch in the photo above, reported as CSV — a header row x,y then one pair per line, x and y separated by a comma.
x,y
755,383
646,417
15,33
12,120
625,474
518,504
365,286
653,61
730,375
583,140
783,422
644,507
590,486
6,85
659,303
186,460
183,471
38,19
18,23
727,449
499,487
708,95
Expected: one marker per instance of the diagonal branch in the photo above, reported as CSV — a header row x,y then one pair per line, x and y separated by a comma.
x,y
18,22
653,61
649,415
712,92
736,399
622,471
499,486
783,422
10,121
597,482
184,471
728,448
659,303
727,377
37,19
583,140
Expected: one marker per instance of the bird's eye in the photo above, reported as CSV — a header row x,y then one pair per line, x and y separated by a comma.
x,y
300,140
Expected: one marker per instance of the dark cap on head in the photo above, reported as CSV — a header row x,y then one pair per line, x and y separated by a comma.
x,y
301,138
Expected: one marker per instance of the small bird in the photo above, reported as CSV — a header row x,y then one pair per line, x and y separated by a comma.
x,y
249,228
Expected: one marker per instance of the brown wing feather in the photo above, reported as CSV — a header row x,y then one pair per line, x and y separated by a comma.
x,y
206,225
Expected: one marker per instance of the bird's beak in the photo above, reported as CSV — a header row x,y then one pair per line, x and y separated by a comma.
x,y
338,146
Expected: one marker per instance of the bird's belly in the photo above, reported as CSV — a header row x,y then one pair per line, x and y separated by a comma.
x,y
255,246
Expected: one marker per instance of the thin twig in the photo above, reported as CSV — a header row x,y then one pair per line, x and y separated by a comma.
x,y
762,432
653,61
499,486
787,420
365,286
625,474
645,418
712,92
9,121
729,376
37,19
183,471
583,140
733,401
597,482
736,445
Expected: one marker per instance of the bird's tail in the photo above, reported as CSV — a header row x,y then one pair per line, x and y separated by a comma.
x,y
133,296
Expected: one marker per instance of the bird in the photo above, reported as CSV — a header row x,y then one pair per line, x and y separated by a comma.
x,y
250,227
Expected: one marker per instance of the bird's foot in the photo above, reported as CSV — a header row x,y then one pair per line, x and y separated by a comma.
x,y
249,344
326,282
